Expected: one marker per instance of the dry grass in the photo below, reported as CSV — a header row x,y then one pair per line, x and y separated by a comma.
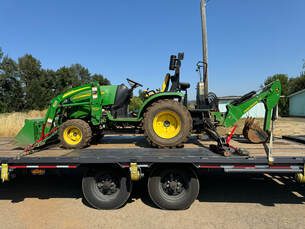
x,y
11,123
282,126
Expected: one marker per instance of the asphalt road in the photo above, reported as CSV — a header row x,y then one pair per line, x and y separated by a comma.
x,y
225,201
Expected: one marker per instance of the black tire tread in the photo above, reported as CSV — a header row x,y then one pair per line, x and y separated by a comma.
x,y
86,133
93,200
155,195
187,131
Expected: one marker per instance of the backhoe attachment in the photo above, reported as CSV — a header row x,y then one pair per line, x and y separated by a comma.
x,y
269,95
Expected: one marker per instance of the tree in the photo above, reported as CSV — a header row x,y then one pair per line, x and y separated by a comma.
x,y
135,103
100,79
65,80
48,83
10,86
1,53
297,83
29,70
142,95
81,74
283,103
26,85
74,76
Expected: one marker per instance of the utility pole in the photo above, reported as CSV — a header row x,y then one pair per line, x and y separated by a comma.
x,y
204,48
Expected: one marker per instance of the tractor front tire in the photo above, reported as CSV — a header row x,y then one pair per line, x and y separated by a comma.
x,y
167,124
75,134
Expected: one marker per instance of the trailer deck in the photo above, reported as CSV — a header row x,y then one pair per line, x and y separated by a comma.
x,y
112,165
123,149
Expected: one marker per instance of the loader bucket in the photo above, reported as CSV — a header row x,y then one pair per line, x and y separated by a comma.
x,y
30,132
253,132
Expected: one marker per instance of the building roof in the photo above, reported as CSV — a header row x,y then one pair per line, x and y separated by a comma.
x,y
228,97
296,93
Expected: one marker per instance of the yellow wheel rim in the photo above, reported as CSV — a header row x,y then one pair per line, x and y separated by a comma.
x,y
73,135
167,124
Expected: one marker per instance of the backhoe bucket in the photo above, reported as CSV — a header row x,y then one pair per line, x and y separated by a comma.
x,y
253,132
30,132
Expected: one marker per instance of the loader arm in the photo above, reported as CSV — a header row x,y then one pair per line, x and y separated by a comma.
x,y
269,95
63,100
35,132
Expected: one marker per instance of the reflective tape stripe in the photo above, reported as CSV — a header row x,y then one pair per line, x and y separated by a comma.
x,y
43,166
249,166
32,166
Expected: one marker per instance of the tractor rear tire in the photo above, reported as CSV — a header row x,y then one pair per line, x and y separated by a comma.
x,y
75,134
167,124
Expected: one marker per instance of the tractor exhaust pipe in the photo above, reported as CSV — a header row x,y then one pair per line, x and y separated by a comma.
x,y
204,49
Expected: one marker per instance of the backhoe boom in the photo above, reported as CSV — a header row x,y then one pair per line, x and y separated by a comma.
x,y
269,95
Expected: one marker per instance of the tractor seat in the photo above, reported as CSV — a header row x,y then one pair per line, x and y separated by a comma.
x,y
165,86
245,97
165,83
184,86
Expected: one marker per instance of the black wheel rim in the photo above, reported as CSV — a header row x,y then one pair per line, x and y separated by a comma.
x,y
173,184
107,184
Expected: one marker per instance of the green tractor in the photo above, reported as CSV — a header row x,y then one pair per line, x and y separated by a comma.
x,y
87,112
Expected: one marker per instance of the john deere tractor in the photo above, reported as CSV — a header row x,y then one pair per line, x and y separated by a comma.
x,y
87,112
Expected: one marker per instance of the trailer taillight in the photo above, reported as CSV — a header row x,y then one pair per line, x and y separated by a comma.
x,y
38,171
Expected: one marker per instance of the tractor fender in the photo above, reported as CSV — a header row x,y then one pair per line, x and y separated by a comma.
x,y
159,96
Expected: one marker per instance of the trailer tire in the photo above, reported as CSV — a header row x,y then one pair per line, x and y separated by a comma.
x,y
82,131
173,188
108,188
167,124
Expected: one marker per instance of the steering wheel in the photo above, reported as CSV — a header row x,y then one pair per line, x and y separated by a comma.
x,y
133,83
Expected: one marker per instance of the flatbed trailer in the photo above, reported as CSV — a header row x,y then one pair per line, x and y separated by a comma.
x,y
112,166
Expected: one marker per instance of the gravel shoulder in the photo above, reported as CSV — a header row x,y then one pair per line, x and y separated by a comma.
x,y
225,201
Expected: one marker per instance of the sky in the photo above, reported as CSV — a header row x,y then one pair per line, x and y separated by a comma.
x,y
248,40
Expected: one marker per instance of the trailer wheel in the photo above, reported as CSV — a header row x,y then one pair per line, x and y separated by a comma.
x,y
108,188
167,123
173,188
75,134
